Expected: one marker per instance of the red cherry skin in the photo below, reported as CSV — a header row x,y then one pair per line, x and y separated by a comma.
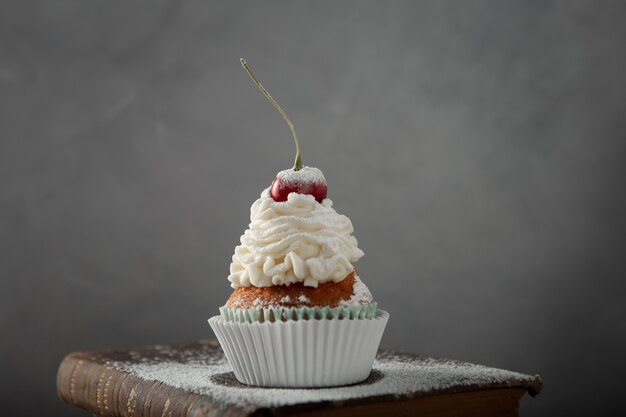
x,y
318,190
280,190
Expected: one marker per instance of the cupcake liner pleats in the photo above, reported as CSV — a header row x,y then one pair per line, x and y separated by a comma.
x,y
300,353
251,315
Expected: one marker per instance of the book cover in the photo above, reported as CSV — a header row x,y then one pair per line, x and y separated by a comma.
x,y
196,380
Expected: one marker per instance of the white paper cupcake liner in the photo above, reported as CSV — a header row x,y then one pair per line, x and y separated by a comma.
x,y
302,353
354,311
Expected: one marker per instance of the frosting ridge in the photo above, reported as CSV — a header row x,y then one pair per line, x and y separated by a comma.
x,y
299,240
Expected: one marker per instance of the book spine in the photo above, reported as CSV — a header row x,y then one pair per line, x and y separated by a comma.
x,y
106,391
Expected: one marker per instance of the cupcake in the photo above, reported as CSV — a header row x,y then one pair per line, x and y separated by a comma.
x,y
299,314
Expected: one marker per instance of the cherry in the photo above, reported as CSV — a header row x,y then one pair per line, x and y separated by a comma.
x,y
281,188
301,180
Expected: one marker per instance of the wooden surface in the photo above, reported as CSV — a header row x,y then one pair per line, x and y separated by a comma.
x,y
183,380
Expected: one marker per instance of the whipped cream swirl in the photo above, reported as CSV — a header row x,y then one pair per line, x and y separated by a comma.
x,y
299,240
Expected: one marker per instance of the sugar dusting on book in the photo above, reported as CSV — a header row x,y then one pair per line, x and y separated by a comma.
x,y
399,375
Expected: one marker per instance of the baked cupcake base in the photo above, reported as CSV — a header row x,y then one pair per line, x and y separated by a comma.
x,y
330,294
301,353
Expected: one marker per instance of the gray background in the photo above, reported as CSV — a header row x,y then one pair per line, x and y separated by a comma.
x,y
478,148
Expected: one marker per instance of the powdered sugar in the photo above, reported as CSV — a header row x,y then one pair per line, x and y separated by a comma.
x,y
203,371
360,294
303,299
306,175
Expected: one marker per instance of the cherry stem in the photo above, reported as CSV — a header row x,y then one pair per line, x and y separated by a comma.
x,y
298,162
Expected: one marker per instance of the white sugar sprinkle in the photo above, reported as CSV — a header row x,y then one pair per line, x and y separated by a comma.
x,y
360,294
309,175
399,376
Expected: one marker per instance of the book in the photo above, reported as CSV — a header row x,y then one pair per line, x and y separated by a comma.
x,y
195,380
